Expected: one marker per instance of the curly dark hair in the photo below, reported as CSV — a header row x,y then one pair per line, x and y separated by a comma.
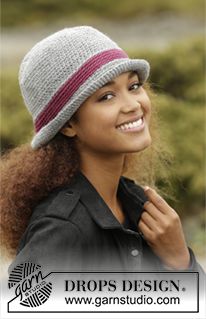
x,y
28,176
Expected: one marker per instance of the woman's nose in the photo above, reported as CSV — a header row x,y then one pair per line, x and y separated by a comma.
x,y
129,103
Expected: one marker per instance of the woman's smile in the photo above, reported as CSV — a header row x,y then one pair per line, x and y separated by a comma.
x,y
135,125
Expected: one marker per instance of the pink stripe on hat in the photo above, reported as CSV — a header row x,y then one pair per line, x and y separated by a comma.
x,y
66,91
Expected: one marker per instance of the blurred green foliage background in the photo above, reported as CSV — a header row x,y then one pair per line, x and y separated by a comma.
x,y
40,12
177,76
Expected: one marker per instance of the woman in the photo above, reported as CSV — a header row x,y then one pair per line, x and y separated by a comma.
x,y
68,200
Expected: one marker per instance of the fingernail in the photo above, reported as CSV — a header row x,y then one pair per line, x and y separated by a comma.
x,y
146,188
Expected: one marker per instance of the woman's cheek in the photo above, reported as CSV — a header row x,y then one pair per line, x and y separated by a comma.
x,y
147,108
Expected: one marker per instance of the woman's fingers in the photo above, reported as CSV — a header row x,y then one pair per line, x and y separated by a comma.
x,y
153,211
145,230
155,229
162,229
149,221
157,200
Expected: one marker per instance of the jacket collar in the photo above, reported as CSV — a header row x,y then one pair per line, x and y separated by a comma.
x,y
131,196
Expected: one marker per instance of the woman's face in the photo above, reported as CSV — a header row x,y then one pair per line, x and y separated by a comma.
x,y
115,119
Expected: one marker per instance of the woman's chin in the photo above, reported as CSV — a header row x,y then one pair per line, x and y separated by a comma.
x,y
141,146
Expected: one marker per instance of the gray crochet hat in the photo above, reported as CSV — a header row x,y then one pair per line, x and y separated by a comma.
x,y
60,72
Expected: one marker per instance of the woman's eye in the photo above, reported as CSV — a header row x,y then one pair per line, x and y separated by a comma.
x,y
135,86
106,97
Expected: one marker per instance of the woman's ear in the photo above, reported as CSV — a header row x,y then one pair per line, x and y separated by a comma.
x,y
68,130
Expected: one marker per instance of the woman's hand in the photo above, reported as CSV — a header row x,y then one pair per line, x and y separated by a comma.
x,y
162,229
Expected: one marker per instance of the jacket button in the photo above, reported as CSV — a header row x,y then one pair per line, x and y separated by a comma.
x,y
134,252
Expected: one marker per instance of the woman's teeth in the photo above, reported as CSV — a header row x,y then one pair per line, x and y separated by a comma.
x,y
130,125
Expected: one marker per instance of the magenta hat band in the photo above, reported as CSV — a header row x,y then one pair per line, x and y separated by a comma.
x,y
66,91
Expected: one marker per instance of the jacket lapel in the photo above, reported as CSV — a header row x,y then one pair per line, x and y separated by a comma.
x,y
131,195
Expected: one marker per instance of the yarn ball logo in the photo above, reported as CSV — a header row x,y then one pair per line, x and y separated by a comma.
x,y
29,284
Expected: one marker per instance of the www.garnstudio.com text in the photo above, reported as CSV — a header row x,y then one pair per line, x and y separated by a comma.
x,y
127,300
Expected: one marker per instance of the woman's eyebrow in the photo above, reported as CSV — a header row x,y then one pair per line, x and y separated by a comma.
x,y
131,74
108,83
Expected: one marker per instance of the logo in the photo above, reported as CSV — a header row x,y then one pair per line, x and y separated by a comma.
x,y
29,285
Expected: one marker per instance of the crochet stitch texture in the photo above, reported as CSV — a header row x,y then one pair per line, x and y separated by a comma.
x,y
60,72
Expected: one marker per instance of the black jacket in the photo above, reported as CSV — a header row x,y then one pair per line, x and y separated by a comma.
x,y
74,230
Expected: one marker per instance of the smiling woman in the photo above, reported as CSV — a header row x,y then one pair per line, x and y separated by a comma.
x,y
121,110
69,207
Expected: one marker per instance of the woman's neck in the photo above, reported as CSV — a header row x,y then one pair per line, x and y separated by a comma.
x,y
104,173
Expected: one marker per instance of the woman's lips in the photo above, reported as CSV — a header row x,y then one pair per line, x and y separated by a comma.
x,y
134,126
